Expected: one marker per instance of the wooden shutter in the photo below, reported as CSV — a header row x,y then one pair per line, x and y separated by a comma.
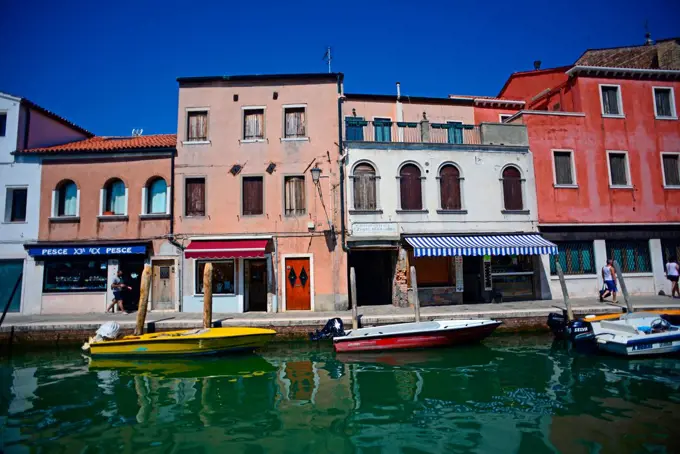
x,y
617,166
671,170
195,197
410,185
449,182
252,196
364,188
663,102
512,189
197,127
295,196
295,122
563,171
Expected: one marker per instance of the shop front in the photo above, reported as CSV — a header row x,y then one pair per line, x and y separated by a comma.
x,y
77,278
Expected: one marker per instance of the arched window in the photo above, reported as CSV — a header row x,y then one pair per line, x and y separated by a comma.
x,y
66,199
365,194
156,196
114,198
449,187
512,189
410,188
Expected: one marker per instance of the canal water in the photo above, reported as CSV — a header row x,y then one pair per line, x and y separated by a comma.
x,y
514,395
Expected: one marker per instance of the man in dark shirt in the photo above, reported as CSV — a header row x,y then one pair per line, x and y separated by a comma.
x,y
118,286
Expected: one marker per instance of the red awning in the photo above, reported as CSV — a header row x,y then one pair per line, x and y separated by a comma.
x,y
226,249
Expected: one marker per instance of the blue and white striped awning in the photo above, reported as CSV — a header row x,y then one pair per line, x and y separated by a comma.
x,y
436,246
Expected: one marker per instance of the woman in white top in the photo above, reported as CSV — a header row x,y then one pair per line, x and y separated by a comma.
x,y
672,272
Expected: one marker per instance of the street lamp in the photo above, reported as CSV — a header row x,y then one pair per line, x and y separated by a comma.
x,y
316,173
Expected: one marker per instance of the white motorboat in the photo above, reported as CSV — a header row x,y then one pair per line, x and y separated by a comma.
x,y
637,334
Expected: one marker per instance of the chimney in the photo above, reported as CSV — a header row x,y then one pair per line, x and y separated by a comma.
x,y
398,91
537,64
648,39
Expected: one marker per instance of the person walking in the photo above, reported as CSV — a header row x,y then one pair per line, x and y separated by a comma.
x,y
609,278
118,286
672,273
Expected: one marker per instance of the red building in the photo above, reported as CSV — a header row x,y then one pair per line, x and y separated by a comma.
x,y
605,138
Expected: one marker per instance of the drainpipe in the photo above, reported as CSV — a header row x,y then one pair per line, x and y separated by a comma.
x,y
400,113
172,193
342,170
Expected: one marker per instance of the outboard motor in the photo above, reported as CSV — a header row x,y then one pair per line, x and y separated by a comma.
x,y
333,328
557,324
580,334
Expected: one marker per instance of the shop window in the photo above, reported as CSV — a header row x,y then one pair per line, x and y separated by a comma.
x,y
410,186
253,196
197,126
65,199
194,196
76,275
512,189
294,122
156,197
223,277
114,198
575,257
432,271
294,188
15,204
449,185
670,249
364,182
633,256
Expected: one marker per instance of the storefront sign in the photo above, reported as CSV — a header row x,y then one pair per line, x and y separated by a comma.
x,y
460,287
89,250
375,228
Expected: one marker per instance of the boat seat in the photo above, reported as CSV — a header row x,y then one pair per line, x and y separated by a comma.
x,y
620,327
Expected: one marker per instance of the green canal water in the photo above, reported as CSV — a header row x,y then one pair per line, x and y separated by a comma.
x,y
514,395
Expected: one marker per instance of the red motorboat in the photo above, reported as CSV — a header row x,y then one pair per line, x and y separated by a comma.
x,y
439,333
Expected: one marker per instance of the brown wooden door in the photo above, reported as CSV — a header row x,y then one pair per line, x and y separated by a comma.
x,y
298,285
256,280
163,291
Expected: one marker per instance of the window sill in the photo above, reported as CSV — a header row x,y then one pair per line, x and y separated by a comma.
x,y
617,186
112,217
573,276
565,186
672,188
515,211
65,219
412,211
151,216
640,274
197,216
252,215
251,140
452,211
665,118
295,139
365,211
217,295
292,216
15,222
196,142
613,116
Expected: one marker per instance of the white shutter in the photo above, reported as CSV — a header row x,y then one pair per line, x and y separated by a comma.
x,y
125,212
102,199
54,203
78,202
168,199
145,209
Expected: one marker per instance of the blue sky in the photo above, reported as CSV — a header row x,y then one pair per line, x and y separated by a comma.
x,y
112,66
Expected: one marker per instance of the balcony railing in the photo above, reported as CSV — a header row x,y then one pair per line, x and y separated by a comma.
x,y
357,129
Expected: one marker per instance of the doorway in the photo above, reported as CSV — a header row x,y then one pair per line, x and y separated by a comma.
x,y
298,284
132,275
163,285
472,278
256,284
10,273
374,271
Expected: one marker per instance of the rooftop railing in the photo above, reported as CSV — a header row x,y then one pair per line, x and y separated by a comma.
x,y
358,129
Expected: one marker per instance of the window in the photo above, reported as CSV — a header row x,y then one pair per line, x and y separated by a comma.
x,y
512,189
15,204
383,129
223,277
664,103
410,188
449,187
115,198
454,132
3,124
564,168
670,249
632,256
197,126
294,123
66,199
354,128
575,257
671,169
156,197
253,124
365,196
294,188
252,196
611,100
75,275
194,196
503,117
618,169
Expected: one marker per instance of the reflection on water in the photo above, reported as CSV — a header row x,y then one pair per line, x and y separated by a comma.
x,y
504,396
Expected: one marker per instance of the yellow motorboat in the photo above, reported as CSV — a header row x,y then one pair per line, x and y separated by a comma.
x,y
202,341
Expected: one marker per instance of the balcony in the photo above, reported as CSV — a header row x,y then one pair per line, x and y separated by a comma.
x,y
452,133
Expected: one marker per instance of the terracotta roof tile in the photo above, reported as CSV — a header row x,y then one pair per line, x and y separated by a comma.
x,y
100,143
664,54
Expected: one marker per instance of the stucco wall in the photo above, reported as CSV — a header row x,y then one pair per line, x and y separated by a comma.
x,y
73,303
45,131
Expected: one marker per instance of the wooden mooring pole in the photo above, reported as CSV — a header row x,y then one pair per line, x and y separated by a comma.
x,y
416,299
144,287
207,295
624,290
353,289
565,293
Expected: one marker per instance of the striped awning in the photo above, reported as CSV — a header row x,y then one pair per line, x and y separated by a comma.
x,y
435,246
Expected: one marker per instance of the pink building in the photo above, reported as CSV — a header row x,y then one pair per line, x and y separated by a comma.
x,y
257,181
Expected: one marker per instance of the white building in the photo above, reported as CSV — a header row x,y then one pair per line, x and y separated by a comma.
x,y
24,124
455,200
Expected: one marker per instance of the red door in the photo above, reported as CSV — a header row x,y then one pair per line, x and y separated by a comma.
x,y
298,285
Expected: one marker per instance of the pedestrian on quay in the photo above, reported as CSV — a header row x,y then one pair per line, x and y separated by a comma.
x,y
609,278
672,273
118,286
